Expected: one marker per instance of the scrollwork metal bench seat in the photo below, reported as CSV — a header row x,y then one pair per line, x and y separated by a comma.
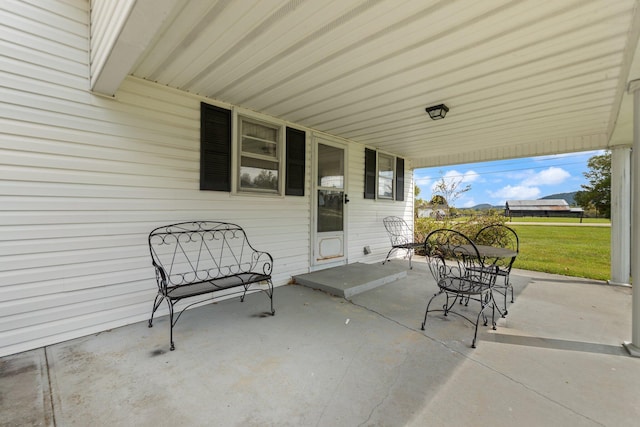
x,y
201,259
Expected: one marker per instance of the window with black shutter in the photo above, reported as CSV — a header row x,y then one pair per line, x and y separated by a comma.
x,y
215,148
295,162
399,179
369,174
385,174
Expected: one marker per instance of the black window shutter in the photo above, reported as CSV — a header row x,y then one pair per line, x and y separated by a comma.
x,y
369,174
295,162
399,179
215,148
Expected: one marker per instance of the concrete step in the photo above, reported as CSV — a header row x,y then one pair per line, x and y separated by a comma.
x,y
348,280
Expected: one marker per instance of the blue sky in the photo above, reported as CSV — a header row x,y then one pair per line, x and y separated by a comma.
x,y
516,179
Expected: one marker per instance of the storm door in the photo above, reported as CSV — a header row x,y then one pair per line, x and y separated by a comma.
x,y
330,201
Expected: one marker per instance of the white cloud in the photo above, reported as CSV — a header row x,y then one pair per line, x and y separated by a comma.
x,y
518,192
424,181
549,176
462,178
468,176
469,203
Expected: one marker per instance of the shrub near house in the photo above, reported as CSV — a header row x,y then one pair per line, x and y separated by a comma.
x,y
469,227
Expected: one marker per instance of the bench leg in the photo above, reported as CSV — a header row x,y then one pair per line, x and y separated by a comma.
x,y
156,304
269,293
171,324
273,312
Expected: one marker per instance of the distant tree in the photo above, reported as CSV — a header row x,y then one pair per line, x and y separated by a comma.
x,y
597,194
418,204
266,179
450,189
439,200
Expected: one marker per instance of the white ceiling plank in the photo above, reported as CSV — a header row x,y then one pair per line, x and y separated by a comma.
x,y
549,74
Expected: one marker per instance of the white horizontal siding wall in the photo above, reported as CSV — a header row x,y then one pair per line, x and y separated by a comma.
x,y
365,226
84,178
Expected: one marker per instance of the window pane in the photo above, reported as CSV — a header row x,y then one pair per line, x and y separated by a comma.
x,y
259,139
330,210
330,166
259,131
257,174
385,176
259,157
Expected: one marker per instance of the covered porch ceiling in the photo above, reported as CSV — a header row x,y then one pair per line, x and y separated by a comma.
x,y
521,78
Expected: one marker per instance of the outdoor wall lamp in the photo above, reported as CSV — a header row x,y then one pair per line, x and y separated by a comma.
x,y
437,112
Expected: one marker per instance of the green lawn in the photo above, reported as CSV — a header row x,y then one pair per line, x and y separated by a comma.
x,y
561,219
572,251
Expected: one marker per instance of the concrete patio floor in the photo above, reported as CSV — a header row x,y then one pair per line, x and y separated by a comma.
x,y
556,360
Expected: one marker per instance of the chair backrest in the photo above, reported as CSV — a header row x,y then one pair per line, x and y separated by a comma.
x,y
398,230
502,236
452,255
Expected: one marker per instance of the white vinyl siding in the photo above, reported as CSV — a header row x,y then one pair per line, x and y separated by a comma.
x,y
365,215
85,178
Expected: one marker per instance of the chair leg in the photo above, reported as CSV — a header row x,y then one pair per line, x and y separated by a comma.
x,y
507,286
427,310
493,311
511,286
484,302
388,254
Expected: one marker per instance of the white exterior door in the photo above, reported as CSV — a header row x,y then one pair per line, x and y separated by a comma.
x,y
329,204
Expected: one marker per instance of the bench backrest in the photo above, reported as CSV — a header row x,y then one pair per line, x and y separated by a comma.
x,y
196,251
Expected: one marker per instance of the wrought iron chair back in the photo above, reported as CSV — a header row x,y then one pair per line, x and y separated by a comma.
x,y
401,237
500,235
460,273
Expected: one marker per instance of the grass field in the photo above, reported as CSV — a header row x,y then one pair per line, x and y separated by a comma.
x,y
562,219
572,251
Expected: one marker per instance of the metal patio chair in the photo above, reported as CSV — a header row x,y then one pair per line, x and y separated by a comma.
x,y
499,235
461,276
401,236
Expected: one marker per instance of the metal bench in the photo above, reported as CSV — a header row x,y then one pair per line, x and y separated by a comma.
x,y
201,259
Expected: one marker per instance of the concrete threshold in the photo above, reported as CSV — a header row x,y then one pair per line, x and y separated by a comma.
x,y
349,280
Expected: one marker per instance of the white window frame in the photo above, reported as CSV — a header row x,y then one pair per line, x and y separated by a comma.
x,y
239,155
379,177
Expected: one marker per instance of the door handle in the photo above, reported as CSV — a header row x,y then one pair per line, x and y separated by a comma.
x,y
346,199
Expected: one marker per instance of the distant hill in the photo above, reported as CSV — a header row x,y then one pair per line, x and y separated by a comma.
x,y
485,206
569,197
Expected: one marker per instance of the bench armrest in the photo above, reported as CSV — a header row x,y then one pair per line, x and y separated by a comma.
x,y
262,262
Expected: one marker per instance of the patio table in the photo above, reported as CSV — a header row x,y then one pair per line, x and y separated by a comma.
x,y
486,251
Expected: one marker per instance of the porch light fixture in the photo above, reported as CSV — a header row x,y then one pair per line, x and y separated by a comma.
x,y
437,112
